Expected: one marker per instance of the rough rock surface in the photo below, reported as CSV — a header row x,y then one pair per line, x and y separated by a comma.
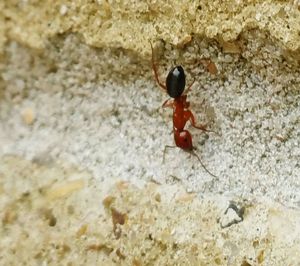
x,y
129,24
82,133
155,225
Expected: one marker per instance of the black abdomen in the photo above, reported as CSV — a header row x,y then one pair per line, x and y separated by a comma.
x,y
175,82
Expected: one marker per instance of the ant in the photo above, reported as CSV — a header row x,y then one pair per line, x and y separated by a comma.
x,y
174,86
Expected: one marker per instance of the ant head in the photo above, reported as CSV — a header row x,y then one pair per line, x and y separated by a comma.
x,y
175,82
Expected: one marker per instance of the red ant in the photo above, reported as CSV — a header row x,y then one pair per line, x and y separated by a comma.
x,y
175,84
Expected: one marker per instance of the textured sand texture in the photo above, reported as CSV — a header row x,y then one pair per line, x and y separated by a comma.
x,y
82,133
59,216
129,24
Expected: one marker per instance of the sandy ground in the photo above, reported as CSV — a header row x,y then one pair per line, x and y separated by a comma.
x,y
82,134
54,113
120,133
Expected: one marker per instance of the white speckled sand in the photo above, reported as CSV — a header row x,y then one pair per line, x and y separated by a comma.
x,y
120,133
54,115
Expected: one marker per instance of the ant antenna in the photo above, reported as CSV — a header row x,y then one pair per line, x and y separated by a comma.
x,y
154,67
202,164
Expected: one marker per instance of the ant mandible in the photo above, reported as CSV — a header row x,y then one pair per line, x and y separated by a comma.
x,y
175,84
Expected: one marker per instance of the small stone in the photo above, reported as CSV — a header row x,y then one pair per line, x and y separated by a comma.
x,y
28,116
231,47
229,218
232,215
63,10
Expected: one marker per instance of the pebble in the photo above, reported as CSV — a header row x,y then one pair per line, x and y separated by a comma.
x,y
28,116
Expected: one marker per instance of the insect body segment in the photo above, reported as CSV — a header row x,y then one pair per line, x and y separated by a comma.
x,y
181,114
175,82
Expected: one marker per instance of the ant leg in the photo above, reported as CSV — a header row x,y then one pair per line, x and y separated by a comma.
x,y
167,103
197,156
189,87
165,149
155,69
189,116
